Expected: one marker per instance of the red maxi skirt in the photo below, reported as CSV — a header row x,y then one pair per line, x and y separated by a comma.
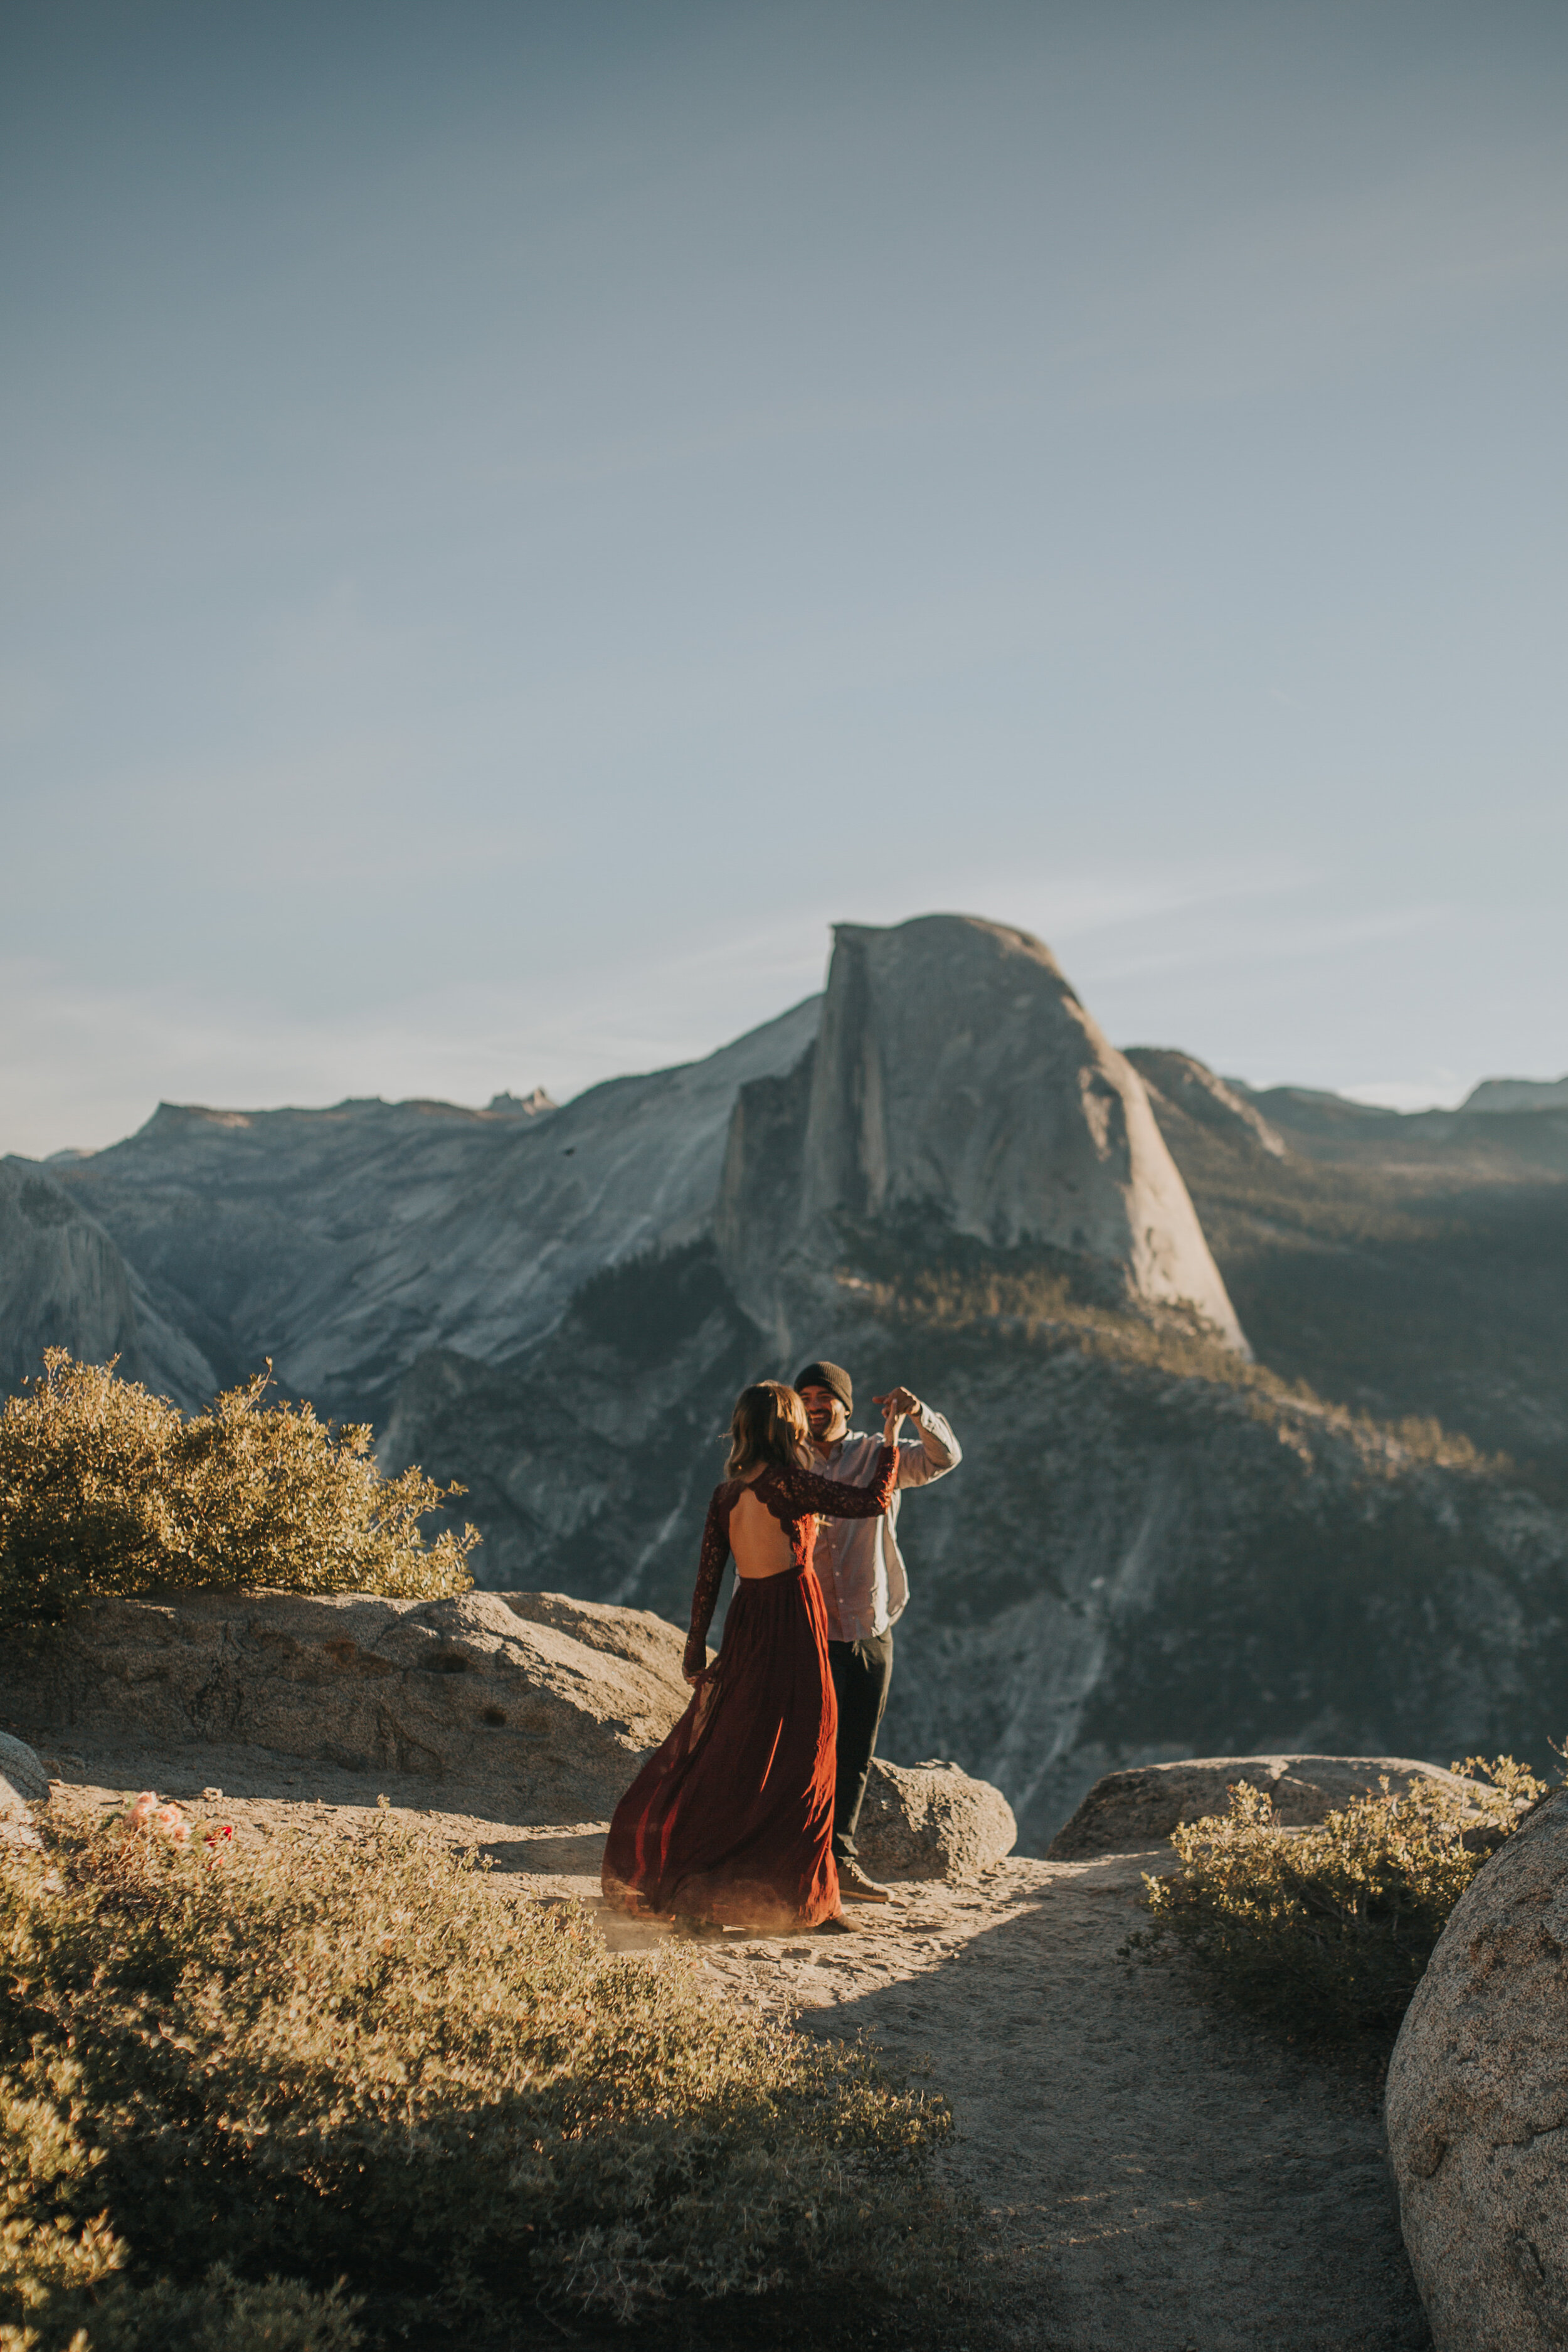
x,y
731,1819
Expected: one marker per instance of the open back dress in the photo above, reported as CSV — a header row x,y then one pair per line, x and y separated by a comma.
x,y
730,1822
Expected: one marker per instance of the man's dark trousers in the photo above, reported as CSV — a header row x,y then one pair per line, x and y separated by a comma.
x,y
861,1673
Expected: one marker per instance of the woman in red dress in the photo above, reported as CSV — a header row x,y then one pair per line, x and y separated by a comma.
x,y
730,1822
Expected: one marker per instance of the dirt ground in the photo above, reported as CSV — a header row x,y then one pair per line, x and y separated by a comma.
x,y
1152,2178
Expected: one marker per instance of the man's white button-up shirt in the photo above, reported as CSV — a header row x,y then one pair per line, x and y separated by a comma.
x,y
858,1561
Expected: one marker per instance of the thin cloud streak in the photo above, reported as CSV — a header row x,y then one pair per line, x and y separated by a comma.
x,y
1255,940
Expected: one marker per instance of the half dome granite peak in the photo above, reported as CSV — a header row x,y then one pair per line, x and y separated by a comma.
x,y
956,1073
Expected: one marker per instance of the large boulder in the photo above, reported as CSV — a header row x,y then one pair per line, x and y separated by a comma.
x,y
1477,2104
543,1706
1126,1812
23,1780
24,1784
932,1821
537,1708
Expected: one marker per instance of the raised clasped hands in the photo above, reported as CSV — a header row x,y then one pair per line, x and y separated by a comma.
x,y
894,1405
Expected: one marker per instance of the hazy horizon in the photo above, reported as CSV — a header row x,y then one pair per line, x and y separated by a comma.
x,y
516,518
1382,1098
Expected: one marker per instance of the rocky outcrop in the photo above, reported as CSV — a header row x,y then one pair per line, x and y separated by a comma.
x,y
1190,1085
545,1705
1126,1812
537,1706
958,1079
533,1105
932,1821
1477,2104
23,1780
1518,1094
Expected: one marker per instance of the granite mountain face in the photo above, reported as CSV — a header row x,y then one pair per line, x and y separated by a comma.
x,y
339,1243
939,1171
1151,1548
1007,1119
63,1283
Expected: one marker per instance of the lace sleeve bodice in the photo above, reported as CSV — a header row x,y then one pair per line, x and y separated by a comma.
x,y
711,1564
791,1495
836,1498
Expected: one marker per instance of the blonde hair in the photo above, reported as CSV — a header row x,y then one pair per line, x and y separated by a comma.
x,y
768,1424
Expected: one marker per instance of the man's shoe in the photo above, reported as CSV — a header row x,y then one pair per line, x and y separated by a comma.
x,y
856,1887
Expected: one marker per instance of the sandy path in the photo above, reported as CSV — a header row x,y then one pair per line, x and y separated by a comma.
x,y
1154,2179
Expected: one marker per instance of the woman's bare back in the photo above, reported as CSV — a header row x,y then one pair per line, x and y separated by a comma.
x,y
760,1543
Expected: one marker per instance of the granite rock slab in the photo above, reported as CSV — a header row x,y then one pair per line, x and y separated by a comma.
x,y
1127,1810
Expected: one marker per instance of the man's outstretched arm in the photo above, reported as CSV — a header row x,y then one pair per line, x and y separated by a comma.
x,y
933,1452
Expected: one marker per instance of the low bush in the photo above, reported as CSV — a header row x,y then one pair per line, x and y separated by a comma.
x,y
339,2085
1324,1933
105,1488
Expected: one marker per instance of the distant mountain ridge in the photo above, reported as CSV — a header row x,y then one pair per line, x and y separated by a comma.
x,y
939,1171
341,1243
1518,1094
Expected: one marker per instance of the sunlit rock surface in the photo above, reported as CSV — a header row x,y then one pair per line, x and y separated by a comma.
x,y
546,1702
1477,2111
541,1707
958,1079
932,1821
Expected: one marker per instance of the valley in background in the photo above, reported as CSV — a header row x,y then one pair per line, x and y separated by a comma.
x,y
1263,1396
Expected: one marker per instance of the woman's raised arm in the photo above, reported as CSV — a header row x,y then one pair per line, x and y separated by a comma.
x,y
838,1498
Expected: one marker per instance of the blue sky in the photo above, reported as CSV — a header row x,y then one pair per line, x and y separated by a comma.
x,y
516,518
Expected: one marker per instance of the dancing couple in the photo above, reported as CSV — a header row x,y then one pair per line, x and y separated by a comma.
x,y
746,1817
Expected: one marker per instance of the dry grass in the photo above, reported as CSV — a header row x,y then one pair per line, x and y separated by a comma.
x,y
347,2065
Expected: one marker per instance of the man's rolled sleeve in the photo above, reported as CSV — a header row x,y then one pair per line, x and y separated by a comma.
x,y
929,1455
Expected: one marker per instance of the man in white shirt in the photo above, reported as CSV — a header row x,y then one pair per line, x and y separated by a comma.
x,y
864,1587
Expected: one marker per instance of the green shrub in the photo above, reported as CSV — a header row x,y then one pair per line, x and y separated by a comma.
x,y
349,2059
1324,1933
105,1488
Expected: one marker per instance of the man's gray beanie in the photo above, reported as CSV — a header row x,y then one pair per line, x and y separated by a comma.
x,y
831,1377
